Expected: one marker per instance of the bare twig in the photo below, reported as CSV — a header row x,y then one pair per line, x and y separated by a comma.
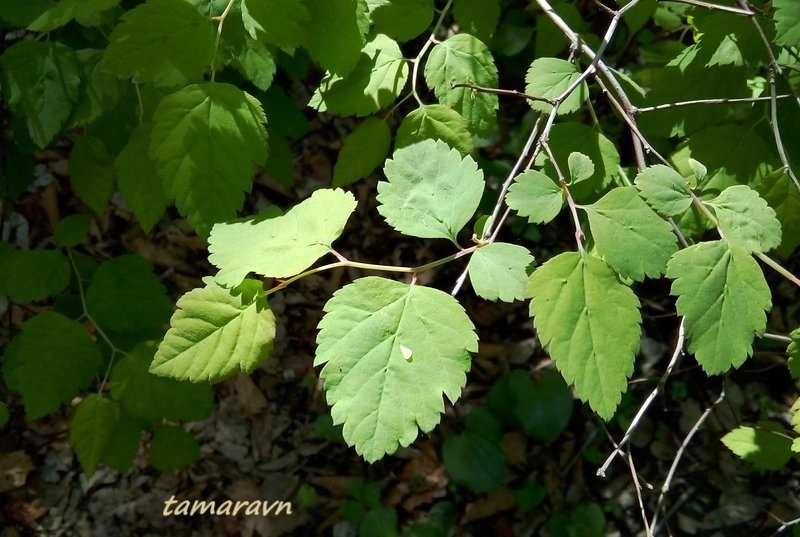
x,y
430,41
639,110
709,5
638,488
498,91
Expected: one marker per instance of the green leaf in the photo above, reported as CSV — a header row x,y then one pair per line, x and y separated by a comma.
x,y
389,356
535,196
277,22
664,189
49,362
474,459
172,448
374,83
548,78
431,192
401,19
765,449
71,230
379,522
363,150
499,271
151,398
580,167
477,17
65,11
31,275
256,62
632,238
205,342
206,141
787,22
435,122
20,14
100,91
125,296
465,60
337,51
637,16
91,429
569,137
793,351
163,42
41,81
746,219
723,295
91,173
123,445
283,246
590,322
779,192
138,179
586,520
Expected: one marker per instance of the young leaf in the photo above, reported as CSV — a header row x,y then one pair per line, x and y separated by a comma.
x,y
765,449
67,10
381,397
30,275
374,83
172,448
746,219
206,141
363,150
91,173
91,429
632,238
787,22
499,271
401,19
337,51
41,81
205,342
431,191
436,122
580,167
49,362
278,22
590,322
793,351
548,78
477,17
569,137
138,178
256,62
664,189
163,42
723,295
71,230
779,192
535,196
283,246
465,60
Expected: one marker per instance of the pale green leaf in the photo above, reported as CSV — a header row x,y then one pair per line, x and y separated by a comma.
x,y
381,397
172,448
499,271
277,22
138,179
91,173
746,219
401,19
787,22
163,42
216,333
589,321
535,196
91,429
629,235
66,10
723,295
431,192
665,190
549,78
580,167
337,51
374,83
49,362
31,275
282,246
71,230
255,61
436,122
793,352
206,141
363,150
462,59
765,449
477,17
779,192
569,137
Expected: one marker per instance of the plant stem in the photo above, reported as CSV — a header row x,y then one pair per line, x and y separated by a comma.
x,y
430,41
221,20
779,269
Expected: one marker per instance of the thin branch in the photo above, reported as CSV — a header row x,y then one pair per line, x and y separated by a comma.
x,y
638,110
779,269
498,91
221,20
709,5
638,487
430,41
776,337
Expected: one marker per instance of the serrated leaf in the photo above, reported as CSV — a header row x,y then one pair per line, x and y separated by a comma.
x,y
374,83
435,122
723,295
431,191
779,192
787,22
580,167
336,51
401,19
150,44
206,342
31,275
49,362
632,238
569,137
589,321
172,448
138,179
91,429
499,271
464,59
746,219
277,22
793,351
477,17
71,230
91,173
535,196
66,10
765,449
100,91
795,410
362,151
282,246
382,398
664,189
206,141
255,61
548,78
41,81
